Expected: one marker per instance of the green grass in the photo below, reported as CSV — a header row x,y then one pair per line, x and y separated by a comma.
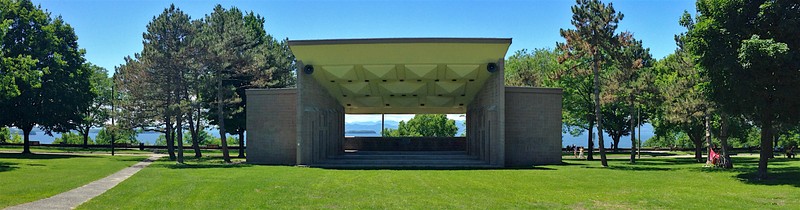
x,y
41,149
26,178
654,183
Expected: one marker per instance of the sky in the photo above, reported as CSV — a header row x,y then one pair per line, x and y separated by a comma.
x,y
110,30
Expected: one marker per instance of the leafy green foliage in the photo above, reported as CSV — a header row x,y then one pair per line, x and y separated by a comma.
x,y
532,69
203,137
71,138
5,134
593,41
424,125
748,51
99,111
16,138
42,56
121,136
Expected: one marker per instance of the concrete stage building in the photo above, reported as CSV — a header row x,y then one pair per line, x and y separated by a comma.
x,y
506,126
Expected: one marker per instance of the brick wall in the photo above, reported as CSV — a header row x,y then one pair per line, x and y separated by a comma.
x,y
533,126
320,120
485,120
271,122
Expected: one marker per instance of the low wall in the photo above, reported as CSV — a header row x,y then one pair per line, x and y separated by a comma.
x,y
271,123
405,143
533,126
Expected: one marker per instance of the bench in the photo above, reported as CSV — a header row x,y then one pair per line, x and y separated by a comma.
x,y
34,143
212,146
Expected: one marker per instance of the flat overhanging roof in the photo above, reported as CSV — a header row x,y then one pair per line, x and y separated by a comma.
x,y
401,75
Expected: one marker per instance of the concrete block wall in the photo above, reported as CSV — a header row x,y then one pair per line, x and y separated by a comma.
x,y
533,126
485,120
271,123
320,118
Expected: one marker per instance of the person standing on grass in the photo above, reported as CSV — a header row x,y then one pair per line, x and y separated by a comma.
x,y
575,151
581,153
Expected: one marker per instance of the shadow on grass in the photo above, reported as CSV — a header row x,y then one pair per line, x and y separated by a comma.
x,y
433,168
203,165
6,166
636,167
776,176
39,156
198,163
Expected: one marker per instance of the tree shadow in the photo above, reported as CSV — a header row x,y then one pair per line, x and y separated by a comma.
x,y
572,163
39,156
198,163
6,166
433,168
636,167
776,176
203,165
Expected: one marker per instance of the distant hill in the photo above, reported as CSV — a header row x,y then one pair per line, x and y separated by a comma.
x,y
375,126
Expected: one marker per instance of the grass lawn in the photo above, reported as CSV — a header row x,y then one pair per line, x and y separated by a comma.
x,y
41,149
656,182
26,178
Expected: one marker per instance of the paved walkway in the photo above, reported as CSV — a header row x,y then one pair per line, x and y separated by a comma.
x,y
75,197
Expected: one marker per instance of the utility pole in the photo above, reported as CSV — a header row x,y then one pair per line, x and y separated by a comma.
x,y
113,110
383,115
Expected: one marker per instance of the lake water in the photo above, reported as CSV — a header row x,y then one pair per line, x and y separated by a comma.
x,y
368,130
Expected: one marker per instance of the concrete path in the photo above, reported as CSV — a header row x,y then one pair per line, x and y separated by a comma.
x,y
75,197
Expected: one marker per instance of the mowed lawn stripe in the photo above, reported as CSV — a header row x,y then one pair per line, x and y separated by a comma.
x,y
26,178
652,183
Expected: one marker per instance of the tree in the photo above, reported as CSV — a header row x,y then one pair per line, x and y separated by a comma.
x,y
594,39
685,104
125,136
275,73
19,69
45,50
233,48
532,69
748,50
424,125
98,112
70,138
153,84
5,134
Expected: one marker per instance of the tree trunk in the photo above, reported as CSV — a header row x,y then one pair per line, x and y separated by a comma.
x,y
616,139
633,132
590,152
170,139
698,150
723,138
241,144
708,139
85,139
194,129
597,113
221,120
775,137
26,132
179,133
766,146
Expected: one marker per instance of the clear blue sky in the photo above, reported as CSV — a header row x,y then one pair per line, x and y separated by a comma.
x,y
111,30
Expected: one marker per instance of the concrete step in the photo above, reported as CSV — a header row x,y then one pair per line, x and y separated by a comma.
x,y
404,162
406,152
403,157
404,166
398,163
